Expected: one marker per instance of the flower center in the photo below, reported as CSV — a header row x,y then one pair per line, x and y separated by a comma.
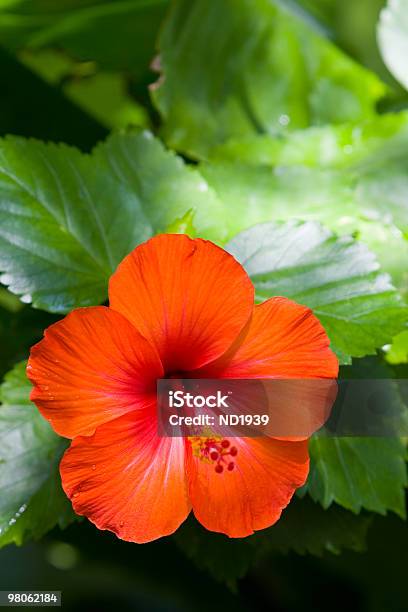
x,y
216,451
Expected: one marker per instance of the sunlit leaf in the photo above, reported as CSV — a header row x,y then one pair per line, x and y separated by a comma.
x,y
353,178
337,277
68,219
266,70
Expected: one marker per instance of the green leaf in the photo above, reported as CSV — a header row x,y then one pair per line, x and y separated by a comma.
x,y
255,194
68,218
50,116
303,528
306,528
335,276
392,35
19,329
358,473
353,178
103,31
227,559
367,162
330,146
286,75
31,498
104,95
165,188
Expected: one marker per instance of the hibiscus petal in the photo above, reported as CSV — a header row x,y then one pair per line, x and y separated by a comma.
x,y
283,340
91,367
128,480
253,494
189,297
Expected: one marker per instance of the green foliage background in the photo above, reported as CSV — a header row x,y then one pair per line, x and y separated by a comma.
x,y
277,129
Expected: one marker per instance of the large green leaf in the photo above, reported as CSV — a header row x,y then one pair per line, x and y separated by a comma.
x,y
240,67
31,498
358,473
67,219
368,161
304,528
337,277
393,38
165,188
367,198
365,166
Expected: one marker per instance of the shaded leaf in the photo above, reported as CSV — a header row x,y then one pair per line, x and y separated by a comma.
x,y
51,115
104,31
361,472
303,528
358,473
31,497
104,95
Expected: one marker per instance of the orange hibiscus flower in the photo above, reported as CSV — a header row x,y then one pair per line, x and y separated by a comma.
x,y
183,308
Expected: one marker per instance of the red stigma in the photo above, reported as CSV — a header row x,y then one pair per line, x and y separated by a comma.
x,y
215,450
